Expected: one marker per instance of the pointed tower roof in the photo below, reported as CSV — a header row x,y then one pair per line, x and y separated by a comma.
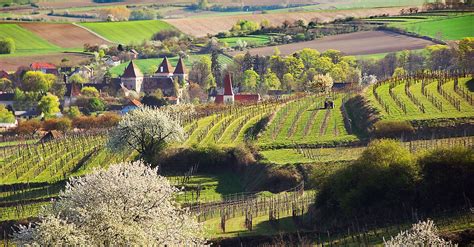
x,y
165,67
228,85
132,71
180,68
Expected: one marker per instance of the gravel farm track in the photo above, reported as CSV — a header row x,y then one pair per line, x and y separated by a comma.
x,y
359,43
202,26
64,35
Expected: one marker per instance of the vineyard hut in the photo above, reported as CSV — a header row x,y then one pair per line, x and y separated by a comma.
x,y
51,135
329,104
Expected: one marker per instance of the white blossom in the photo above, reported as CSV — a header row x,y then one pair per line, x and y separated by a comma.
x,y
421,234
128,204
147,130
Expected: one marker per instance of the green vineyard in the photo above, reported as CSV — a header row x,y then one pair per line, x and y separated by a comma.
x,y
426,96
306,121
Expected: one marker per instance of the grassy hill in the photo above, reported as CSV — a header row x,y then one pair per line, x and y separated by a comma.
x,y
25,40
128,32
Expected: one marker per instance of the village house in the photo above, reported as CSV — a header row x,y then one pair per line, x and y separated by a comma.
x,y
229,97
163,79
47,68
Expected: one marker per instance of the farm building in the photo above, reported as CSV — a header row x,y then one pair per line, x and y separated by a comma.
x,y
163,78
47,68
229,97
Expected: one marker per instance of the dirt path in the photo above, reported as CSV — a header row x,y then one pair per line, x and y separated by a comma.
x,y
359,43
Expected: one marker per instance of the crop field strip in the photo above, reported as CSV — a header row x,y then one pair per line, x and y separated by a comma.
x,y
119,32
25,40
422,97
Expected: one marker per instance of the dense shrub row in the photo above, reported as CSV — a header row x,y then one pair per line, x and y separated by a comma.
x,y
387,180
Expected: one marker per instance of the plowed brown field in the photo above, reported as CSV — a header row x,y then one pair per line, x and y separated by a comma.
x,y
12,63
63,35
201,26
360,43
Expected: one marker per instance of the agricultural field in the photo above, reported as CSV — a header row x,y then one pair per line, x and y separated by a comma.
x,y
31,174
149,66
443,25
200,26
25,40
374,42
428,99
120,32
306,121
257,40
64,35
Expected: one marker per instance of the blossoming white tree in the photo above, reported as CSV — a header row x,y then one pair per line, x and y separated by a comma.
x,y
147,130
421,234
127,205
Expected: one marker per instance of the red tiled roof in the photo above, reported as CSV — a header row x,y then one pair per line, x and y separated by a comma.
x,y
42,65
247,97
135,102
165,67
180,68
132,71
228,85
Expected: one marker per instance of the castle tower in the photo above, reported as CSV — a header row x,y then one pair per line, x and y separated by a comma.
x,y
165,69
228,91
180,71
132,77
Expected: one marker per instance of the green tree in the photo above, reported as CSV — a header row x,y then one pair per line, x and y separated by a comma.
x,y
37,81
49,104
309,57
271,80
201,73
334,55
216,67
338,73
323,65
6,116
74,112
294,66
250,82
289,83
77,78
466,53
90,92
399,72
382,179
203,5
95,104
7,46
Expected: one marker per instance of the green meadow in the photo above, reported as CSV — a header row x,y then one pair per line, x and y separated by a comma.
x,y
250,39
129,31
